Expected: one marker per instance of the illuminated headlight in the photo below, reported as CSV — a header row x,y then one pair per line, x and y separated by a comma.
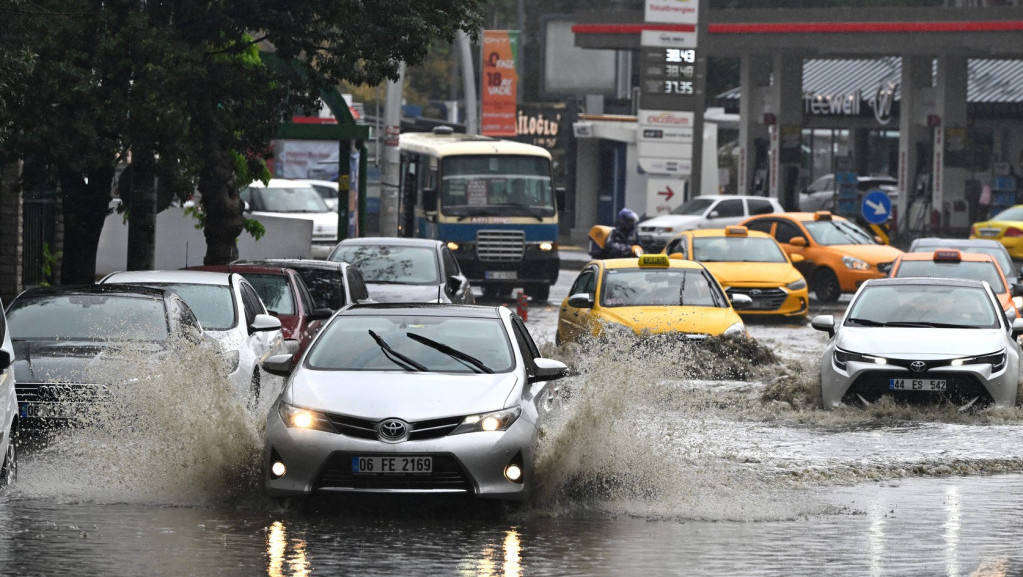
x,y
665,229
546,246
736,330
996,360
298,418
452,246
496,421
855,263
843,357
797,285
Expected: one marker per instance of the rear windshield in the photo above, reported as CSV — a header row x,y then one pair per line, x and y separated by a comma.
x,y
88,317
972,270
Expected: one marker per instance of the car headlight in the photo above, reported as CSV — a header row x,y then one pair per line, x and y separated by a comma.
x,y
299,418
797,285
546,246
855,263
496,421
996,360
736,330
843,357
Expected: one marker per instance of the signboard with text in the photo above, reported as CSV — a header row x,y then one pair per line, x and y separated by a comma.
x,y
500,83
672,11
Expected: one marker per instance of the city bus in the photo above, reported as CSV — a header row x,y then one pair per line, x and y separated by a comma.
x,y
492,201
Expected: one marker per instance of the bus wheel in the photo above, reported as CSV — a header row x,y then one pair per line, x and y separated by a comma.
x,y
539,293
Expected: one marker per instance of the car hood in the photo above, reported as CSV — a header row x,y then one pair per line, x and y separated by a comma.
x,y
920,342
872,253
677,222
404,293
75,362
668,319
411,396
753,273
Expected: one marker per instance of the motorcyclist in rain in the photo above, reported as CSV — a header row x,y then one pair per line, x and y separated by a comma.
x,y
623,236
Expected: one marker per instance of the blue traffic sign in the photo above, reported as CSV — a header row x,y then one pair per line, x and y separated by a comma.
x,y
876,207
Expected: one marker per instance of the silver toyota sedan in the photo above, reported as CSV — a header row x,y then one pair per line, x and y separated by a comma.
x,y
921,340
411,398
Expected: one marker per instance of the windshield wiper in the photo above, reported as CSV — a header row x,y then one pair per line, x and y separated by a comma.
x,y
396,357
476,364
924,324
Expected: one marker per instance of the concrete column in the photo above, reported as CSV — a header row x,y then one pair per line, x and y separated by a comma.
x,y
755,76
10,232
586,187
949,138
786,103
914,106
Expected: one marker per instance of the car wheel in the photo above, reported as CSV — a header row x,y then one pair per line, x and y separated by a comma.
x,y
9,470
539,293
557,339
825,285
254,386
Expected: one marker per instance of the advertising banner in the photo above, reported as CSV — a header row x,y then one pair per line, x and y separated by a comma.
x,y
500,82
305,159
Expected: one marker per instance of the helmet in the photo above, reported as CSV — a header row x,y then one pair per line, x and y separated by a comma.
x,y
627,219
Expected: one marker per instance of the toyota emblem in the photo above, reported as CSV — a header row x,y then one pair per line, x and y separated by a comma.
x,y
917,366
393,430
754,293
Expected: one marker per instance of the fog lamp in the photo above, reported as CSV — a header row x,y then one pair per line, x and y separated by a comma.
x,y
278,469
513,472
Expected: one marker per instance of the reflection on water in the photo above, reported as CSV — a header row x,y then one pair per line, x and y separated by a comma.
x,y
285,558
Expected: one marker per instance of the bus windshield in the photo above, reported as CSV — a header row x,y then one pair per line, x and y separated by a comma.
x,y
496,186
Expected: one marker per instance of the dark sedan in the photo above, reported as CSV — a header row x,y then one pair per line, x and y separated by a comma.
x,y
332,284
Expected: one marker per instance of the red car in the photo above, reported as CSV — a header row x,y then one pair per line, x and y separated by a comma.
x,y
286,297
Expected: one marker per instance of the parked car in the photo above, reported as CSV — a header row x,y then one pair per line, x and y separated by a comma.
x,y
406,269
286,297
411,398
332,284
704,211
294,199
1005,227
821,193
838,255
67,340
230,311
921,341
9,418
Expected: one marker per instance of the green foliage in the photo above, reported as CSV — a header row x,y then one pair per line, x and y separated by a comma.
x,y
255,228
49,260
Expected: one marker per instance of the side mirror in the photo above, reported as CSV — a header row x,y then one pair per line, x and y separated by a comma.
x,y
1017,328
430,199
455,283
796,258
740,301
826,323
263,323
798,241
548,370
320,314
559,197
581,301
713,214
1017,289
5,359
279,365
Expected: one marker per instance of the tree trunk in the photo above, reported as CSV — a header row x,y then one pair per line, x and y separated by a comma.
x,y
223,207
85,210
142,213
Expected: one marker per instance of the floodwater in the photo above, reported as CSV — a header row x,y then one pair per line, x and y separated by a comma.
x,y
664,460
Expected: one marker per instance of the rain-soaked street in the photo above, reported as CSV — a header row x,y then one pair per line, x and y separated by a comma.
x,y
665,460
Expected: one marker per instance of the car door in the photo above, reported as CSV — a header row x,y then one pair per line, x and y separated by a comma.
x,y
725,212
784,233
573,321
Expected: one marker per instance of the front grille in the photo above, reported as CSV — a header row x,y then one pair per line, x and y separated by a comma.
x,y
764,299
447,474
960,389
500,245
366,429
885,267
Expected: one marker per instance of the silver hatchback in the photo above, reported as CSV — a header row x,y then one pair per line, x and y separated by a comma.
x,y
411,398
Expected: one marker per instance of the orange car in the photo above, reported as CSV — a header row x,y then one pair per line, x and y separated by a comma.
x,y
837,254
952,263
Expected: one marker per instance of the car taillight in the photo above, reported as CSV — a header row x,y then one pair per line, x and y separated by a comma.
x,y
1013,232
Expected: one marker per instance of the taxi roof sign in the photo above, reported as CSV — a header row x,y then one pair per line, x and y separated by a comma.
x,y
653,261
736,231
947,255
822,215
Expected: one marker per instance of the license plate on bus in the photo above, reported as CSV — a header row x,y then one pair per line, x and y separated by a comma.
x,y
392,465
501,275
925,385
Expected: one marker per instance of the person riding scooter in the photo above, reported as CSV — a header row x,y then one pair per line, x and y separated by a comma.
x,y
622,241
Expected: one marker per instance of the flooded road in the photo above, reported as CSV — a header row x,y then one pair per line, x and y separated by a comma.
x,y
665,460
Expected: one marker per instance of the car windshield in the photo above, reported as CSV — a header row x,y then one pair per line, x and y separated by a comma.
x,y
1011,213
736,249
392,264
694,206
631,287
923,305
349,343
275,292
977,270
88,317
833,232
288,199
213,305
496,185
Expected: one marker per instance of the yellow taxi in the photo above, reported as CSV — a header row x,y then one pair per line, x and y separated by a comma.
x,y
1006,227
838,255
953,263
652,294
750,263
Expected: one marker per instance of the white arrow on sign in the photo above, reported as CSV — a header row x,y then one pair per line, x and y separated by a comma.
x,y
877,206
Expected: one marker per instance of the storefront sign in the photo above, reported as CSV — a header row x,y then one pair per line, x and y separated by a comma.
x,y
881,104
673,11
